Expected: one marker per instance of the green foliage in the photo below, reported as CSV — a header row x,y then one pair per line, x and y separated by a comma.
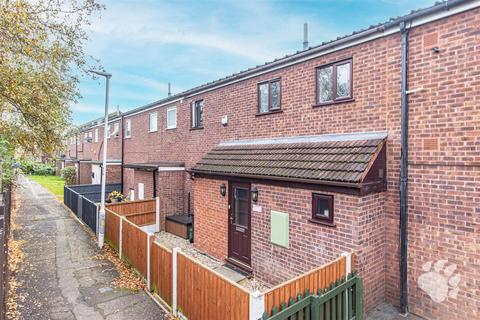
x,y
7,152
116,196
39,169
53,184
41,59
69,174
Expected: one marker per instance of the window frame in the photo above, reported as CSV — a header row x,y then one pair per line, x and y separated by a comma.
x,y
109,130
269,82
174,126
334,88
128,128
96,135
194,120
150,122
329,221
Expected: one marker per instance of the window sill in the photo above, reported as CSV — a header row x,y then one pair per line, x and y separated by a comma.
x,y
322,222
333,102
153,131
268,112
173,128
196,128
129,137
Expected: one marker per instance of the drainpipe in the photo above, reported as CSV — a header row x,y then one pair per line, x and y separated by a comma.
x,y
123,148
155,182
404,175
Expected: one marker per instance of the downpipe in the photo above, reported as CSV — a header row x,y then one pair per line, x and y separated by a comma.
x,y
404,175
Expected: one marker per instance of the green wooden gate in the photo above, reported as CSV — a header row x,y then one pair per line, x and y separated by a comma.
x,y
342,301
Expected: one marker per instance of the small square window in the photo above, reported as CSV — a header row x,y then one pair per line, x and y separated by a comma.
x,y
172,118
322,208
153,122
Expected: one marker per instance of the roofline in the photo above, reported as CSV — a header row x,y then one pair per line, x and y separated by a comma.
x,y
416,18
374,135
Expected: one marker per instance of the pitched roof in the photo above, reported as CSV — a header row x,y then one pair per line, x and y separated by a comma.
x,y
308,160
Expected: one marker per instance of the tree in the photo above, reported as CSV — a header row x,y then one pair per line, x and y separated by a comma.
x,y
42,58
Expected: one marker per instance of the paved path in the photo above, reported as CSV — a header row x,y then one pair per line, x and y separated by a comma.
x,y
60,278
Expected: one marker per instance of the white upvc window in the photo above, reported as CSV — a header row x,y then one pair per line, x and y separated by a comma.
x,y
96,135
172,118
90,136
85,137
128,128
116,128
153,122
109,130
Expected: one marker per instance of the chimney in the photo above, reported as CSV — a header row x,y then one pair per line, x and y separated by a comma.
x,y
305,36
118,109
169,89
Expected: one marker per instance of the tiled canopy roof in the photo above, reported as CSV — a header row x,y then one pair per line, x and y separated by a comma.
x,y
343,161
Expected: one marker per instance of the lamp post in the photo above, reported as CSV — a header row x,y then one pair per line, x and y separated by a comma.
x,y
101,215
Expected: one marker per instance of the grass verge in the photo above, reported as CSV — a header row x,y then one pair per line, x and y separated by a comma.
x,y
53,184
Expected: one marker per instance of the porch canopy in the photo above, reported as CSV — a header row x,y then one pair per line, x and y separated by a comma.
x,y
347,163
153,166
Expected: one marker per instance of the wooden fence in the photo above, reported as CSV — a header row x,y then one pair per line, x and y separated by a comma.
x,y
341,302
138,206
112,228
313,281
161,271
205,294
134,246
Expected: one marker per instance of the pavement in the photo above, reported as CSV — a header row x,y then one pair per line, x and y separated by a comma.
x,y
386,311
59,277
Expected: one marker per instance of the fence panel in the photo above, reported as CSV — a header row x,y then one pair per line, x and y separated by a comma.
x,y
134,246
143,218
204,294
89,213
314,280
112,228
161,271
139,206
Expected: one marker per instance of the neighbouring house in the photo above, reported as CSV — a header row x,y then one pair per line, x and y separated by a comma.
x,y
192,147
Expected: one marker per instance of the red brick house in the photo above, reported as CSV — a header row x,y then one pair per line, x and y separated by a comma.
x,y
357,87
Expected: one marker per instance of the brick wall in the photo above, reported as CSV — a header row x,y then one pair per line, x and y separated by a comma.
x,y
170,189
85,174
114,174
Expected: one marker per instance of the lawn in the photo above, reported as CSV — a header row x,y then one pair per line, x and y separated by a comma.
x,y
53,184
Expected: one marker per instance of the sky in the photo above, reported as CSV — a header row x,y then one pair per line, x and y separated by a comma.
x,y
147,43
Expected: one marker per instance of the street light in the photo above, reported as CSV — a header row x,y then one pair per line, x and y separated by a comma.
x,y
101,215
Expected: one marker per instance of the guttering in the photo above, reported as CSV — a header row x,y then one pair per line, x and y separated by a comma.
x,y
404,175
155,182
123,152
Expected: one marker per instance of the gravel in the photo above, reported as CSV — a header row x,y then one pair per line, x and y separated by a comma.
x,y
171,241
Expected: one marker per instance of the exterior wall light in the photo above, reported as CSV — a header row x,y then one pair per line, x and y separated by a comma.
x,y
223,189
254,194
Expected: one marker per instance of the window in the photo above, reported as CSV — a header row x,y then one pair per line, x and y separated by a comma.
x,y
322,208
128,128
109,129
269,96
334,82
153,122
116,129
172,118
96,135
85,137
197,114
90,136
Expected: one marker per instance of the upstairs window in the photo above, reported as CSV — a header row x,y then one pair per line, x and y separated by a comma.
x,y
322,208
334,82
197,114
109,130
85,137
116,129
171,118
96,135
90,136
128,128
153,122
269,96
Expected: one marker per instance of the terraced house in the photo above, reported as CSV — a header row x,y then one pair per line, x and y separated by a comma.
x,y
367,144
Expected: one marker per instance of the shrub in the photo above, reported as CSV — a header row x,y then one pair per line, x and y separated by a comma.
x,y
116,196
69,174
40,169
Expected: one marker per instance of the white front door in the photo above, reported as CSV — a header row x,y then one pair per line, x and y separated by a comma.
x,y
96,174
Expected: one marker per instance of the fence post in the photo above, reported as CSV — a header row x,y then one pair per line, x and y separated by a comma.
x,y
120,237
174,280
359,298
157,214
80,207
348,270
96,219
148,259
256,305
